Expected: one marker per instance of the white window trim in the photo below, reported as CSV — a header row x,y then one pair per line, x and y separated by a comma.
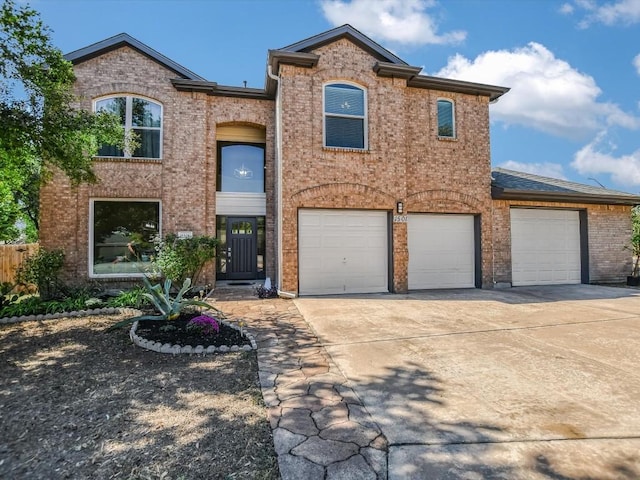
x,y
364,117
453,118
91,234
128,120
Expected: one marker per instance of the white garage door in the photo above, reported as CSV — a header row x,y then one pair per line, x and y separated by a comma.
x,y
342,251
441,251
545,246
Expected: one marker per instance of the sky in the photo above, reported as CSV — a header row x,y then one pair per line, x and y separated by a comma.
x,y
573,66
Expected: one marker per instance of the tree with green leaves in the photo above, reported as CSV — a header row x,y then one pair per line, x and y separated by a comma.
x,y
41,131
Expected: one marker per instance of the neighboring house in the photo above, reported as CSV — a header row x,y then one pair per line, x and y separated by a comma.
x,y
348,173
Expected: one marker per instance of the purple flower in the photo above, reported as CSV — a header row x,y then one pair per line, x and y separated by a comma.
x,y
204,325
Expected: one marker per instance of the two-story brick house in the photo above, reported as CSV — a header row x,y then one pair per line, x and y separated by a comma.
x,y
349,172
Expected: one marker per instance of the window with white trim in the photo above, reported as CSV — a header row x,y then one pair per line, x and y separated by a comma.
x,y
122,235
446,119
139,116
345,116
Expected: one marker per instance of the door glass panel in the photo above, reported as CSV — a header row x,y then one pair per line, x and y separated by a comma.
x,y
242,228
221,229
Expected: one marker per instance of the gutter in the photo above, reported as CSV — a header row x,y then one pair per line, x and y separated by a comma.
x,y
212,88
278,175
498,193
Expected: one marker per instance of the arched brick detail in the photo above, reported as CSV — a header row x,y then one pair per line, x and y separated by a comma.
x,y
343,195
241,123
123,88
327,76
442,201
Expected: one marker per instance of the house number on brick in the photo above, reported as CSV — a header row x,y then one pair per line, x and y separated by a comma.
x,y
399,219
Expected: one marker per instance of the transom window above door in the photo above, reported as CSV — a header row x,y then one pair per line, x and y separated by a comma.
x,y
140,117
240,167
345,117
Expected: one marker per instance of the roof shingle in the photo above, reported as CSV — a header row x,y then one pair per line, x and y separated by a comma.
x,y
510,184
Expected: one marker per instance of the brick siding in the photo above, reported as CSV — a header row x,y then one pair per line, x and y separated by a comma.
x,y
404,161
184,179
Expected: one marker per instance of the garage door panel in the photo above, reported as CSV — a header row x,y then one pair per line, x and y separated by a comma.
x,y
441,251
545,247
347,254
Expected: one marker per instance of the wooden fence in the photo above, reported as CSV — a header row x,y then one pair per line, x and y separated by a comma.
x,y
11,256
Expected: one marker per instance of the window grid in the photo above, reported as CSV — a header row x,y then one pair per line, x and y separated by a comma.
x,y
345,130
134,126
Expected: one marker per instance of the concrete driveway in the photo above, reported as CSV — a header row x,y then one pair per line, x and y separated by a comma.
x,y
536,382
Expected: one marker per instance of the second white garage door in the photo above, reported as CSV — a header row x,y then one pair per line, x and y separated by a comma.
x,y
342,251
545,246
441,251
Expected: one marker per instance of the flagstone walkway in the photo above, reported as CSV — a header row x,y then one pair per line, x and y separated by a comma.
x,y
321,430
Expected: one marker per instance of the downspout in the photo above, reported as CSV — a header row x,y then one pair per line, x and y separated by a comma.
x,y
278,175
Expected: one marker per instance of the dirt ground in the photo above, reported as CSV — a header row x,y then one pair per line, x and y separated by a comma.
x,y
76,402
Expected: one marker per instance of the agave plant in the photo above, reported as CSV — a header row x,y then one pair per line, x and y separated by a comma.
x,y
169,307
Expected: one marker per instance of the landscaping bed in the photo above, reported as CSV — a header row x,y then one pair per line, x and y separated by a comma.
x,y
76,402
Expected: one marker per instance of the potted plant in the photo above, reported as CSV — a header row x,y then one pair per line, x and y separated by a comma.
x,y
634,248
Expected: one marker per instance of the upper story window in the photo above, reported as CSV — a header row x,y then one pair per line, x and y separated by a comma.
x,y
139,116
240,167
446,119
345,118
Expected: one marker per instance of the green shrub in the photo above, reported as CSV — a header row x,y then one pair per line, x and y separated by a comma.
x,y
26,305
43,269
76,299
133,298
5,288
182,258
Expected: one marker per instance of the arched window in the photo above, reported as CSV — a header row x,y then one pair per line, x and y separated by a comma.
x,y
446,119
345,116
139,116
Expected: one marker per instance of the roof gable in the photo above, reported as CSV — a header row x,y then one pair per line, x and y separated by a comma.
x,y
387,65
350,33
513,185
121,40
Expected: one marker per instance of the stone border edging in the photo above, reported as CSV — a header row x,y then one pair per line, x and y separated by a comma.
x,y
189,349
53,316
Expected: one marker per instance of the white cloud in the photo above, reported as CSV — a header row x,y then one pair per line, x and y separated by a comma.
x,y
547,93
566,9
636,63
398,21
545,169
593,160
621,12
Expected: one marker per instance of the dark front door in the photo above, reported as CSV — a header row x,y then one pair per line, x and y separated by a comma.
x,y
241,248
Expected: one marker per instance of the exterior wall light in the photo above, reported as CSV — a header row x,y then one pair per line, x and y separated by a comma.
x,y
400,207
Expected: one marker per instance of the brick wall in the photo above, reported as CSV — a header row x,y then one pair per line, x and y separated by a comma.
x,y
609,231
405,159
184,179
